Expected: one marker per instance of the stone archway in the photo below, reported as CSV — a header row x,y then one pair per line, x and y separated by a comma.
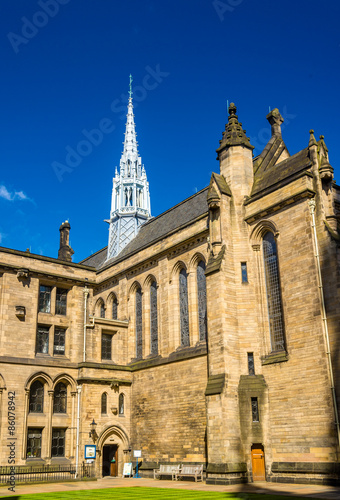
x,y
112,445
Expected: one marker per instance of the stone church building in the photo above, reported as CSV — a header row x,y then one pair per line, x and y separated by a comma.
x,y
205,335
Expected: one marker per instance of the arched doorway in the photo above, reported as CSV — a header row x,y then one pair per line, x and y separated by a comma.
x,y
110,460
112,446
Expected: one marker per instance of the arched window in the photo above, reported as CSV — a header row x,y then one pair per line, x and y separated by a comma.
x,y
104,403
102,310
153,318
121,404
36,404
114,308
184,309
60,398
202,301
273,292
139,324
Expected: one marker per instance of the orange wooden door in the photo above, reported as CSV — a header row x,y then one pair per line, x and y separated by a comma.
x,y
257,460
114,465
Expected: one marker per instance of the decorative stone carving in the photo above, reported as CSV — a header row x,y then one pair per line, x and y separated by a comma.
x,y
23,274
20,312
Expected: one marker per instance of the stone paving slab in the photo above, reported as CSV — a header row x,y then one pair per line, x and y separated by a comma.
x,y
263,488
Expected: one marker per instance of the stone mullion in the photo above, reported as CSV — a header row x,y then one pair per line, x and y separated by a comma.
x,y
48,445
24,433
73,421
1,392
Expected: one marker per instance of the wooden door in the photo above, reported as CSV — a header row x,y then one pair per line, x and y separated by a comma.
x,y
114,461
257,460
110,460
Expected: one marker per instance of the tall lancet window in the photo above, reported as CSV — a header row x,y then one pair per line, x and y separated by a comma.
x,y
184,308
139,324
202,301
273,292
114,307
153,318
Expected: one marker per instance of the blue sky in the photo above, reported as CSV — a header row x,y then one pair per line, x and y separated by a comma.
x,y
65,68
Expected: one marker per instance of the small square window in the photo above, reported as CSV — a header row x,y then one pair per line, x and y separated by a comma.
x,y
42,339
33,443
61,299
106,346
255,409
45,299
58,443
59,341
251,365
244,272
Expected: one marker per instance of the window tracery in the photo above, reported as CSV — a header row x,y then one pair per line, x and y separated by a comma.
x,y
184,308
272,279
139,324
153,318
202,301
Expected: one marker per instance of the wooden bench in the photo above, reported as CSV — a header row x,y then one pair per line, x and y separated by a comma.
x,y
195,471
166,470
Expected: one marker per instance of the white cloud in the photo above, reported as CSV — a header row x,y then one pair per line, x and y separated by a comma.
x,y
11,196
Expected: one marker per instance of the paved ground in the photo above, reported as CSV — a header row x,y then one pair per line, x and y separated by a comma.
x,y
326,492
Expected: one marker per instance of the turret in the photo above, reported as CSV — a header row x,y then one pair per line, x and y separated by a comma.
x,y
236,157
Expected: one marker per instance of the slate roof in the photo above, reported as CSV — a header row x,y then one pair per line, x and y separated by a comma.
x,y
156,228
267,176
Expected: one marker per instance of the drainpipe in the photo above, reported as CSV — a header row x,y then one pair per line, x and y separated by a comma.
x,y
86,294
311,204
78,430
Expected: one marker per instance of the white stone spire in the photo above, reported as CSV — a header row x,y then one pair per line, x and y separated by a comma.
x,y
130,205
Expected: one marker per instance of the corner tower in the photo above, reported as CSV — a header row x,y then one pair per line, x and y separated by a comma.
x,y
130,204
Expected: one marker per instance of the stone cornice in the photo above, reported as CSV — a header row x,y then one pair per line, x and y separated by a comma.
x,y
46,259
47,274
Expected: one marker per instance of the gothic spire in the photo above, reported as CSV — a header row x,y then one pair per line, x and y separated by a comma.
x,y
130,205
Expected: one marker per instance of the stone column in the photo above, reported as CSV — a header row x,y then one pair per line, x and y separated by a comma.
x,y
24,430
49,424
73,422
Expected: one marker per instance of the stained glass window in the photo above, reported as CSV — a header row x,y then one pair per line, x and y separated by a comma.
x,y
106,346
59,341
36,403
153,318
251,365
139,324
102,310
45,299
202,301
104,403
60,398
121,404
255,410
58,443
184,309
33,442
61,299
114,308
42,339
273,292
244,272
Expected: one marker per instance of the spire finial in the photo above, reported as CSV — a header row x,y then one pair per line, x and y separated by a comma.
x,y
130,86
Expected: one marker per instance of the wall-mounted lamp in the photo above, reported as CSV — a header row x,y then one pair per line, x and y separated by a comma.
x,y
93,434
